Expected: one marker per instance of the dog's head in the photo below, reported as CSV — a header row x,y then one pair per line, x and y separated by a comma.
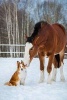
x,y
20,65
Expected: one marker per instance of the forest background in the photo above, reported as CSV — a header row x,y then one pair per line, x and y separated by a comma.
x,y
18,17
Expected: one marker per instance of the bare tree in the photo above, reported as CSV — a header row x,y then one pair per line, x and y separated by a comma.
x,y
16,21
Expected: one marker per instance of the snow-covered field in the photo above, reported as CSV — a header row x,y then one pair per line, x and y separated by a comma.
x,y
32,89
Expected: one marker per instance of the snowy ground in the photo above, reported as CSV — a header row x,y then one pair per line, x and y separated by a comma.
x,y
32,89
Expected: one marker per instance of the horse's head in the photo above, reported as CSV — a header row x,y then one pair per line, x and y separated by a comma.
x,y
30,52
32,42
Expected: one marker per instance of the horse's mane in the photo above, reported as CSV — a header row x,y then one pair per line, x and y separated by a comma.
x,y
37,27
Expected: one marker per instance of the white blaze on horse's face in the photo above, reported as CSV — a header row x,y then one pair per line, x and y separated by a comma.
x,y
26,55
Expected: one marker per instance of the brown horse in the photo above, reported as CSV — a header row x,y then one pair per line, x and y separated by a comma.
x,y
47,40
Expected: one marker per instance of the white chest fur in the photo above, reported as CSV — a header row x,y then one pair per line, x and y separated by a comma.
x,y
23,76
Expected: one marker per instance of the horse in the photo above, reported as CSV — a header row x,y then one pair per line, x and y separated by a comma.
x,y
47,40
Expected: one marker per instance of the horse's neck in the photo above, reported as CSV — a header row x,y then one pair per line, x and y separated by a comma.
x,y
42,36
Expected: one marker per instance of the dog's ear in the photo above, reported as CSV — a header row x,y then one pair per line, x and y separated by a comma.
x,y
18,64
25,65
22,62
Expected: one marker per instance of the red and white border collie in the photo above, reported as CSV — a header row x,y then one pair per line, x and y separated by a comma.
x,y
18,78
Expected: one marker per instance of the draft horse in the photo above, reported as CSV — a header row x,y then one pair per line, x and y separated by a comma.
x,y
47,40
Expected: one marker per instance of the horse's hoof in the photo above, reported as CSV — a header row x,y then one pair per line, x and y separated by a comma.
x,y
49,82
62,79
41,81
53,79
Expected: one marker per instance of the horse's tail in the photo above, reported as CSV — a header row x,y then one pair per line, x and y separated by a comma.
x,y
57,57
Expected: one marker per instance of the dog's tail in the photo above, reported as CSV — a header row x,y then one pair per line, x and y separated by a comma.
x,y
8,83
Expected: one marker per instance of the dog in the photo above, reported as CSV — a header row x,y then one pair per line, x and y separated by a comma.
x,y
18,78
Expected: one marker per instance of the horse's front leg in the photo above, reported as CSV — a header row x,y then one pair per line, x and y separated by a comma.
x,y
41,58
49,68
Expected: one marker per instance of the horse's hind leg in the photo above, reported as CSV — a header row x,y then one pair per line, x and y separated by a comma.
x,y
61,73
61,67
41,58
54,73
56,63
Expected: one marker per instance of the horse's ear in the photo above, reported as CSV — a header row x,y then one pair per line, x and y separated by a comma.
x,y
26,36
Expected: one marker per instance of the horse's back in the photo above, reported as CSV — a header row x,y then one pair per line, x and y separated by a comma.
x,y
61,36
60,31
59,28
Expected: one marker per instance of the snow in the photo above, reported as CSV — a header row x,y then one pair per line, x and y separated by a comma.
x,y
32,90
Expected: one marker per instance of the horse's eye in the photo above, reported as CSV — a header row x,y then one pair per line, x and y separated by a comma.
x,y
31,49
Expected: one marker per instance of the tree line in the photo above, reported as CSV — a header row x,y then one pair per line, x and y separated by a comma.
x,y
18,17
